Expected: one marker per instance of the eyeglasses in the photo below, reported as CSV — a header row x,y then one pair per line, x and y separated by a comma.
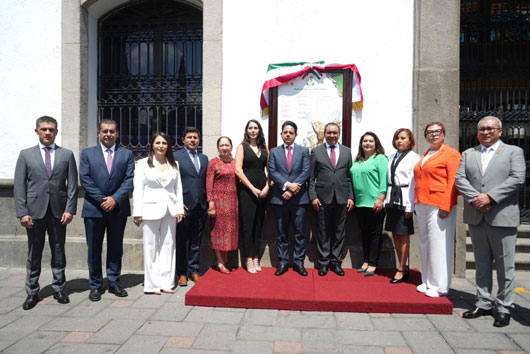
x,y
437,132
488,129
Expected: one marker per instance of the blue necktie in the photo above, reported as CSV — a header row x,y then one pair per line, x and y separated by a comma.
x,y
195,160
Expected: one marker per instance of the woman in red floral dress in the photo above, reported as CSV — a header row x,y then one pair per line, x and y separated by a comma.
x,y
221,188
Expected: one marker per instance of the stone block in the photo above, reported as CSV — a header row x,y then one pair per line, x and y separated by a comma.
x,y
216,337
69,348
170,329
422,343
522,340
260,317
71,324
141,344
212,20
444,323
468,340
23,327
287,347
220,317
171,311
255,347
116,331
358,321
404,324
34,343
307,321
268,333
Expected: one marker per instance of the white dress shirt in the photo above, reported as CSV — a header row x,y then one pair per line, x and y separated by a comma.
x,y
486,154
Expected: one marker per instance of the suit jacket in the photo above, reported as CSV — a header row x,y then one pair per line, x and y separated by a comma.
x,y
327,182
34,190
435,180
98,184
502,179
194,184
154,196
279,173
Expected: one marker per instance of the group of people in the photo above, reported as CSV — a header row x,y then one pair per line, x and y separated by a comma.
x,y
184,188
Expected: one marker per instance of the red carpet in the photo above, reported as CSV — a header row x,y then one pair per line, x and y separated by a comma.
x,y
352,293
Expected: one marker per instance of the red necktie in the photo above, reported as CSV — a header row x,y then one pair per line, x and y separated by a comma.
x,y
332,156
289,157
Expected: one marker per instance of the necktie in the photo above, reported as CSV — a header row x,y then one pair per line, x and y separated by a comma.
x,y
289,157
48,160
332,156
195,161
109,160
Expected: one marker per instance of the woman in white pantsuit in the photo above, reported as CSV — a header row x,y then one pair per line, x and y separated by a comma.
x,y
158,205
435,200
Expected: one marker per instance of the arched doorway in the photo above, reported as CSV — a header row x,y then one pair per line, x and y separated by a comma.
x,y
150,70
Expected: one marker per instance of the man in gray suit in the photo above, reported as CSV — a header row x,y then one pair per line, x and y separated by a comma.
x,y
331,194
489,178
45,200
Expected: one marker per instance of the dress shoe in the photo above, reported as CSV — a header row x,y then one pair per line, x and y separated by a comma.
x,y
502,319
323,271
195,277
118,291
476,312
281,269
337,269
94,295
31,302
299,268
61,297
183,281
403,278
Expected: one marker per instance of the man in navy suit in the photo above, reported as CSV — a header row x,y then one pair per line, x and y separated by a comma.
x,y
289,168
193,166
106,172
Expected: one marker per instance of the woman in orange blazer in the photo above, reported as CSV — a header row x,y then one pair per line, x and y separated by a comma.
x,y
435,198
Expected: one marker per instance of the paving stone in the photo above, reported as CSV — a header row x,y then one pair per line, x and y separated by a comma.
x,y
260,317
170,329
35,343
139,344
122,303
407,315
379,315
214,317
116,331
11,303
350,320
88,309
150,301
403,324
229,309
511,352
171,311
71,324
77,337
192,351
487,326
431,343
254,347
51,308
470,340
180,342
8,318
355,349
23,327
10,291
69,348
216,337
522,340
368,338
307,321
398,350
452,322
126,313
475,351
287,347
268,333
5,343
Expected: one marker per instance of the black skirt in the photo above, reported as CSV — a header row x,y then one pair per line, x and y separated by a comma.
x,y
397,223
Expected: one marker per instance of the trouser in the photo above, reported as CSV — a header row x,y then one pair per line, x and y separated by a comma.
x,y
284,214
188,242
251,216
331,232
371,225
494,243
159,253
436,239
36,240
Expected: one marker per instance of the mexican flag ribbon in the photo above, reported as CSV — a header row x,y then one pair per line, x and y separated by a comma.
x,y
282,73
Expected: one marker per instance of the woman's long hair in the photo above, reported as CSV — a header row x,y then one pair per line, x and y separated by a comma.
x,y
379,149
169,151
260,140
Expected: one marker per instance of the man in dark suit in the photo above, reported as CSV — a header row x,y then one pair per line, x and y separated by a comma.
x,y
45,200
289,168
193,166
106,173
331,194
489,178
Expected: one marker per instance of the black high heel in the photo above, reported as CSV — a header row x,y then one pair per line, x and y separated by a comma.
x,y
403,278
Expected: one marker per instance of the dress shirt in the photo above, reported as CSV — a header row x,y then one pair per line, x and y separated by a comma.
x,y
43,153
328,149
104,149
486,153
190,153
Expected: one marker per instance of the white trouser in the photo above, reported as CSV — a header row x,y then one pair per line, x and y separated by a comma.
x,y
436,237
159,253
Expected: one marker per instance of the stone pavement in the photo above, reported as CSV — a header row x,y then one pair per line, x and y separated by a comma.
x,y
163,324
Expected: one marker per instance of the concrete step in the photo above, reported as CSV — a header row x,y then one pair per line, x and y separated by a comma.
x,y
522,261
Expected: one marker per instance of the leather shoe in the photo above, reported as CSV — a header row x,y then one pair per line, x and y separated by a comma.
x,y
323,271
195,277
94,295
31,302
502,319
281,269
476,312
183,281
118,291
337,269
61,297
299,268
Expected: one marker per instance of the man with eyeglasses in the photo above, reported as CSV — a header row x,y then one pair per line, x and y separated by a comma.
x,y
489,178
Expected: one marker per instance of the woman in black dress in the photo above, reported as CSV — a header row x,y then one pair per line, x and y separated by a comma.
x,y
251,160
